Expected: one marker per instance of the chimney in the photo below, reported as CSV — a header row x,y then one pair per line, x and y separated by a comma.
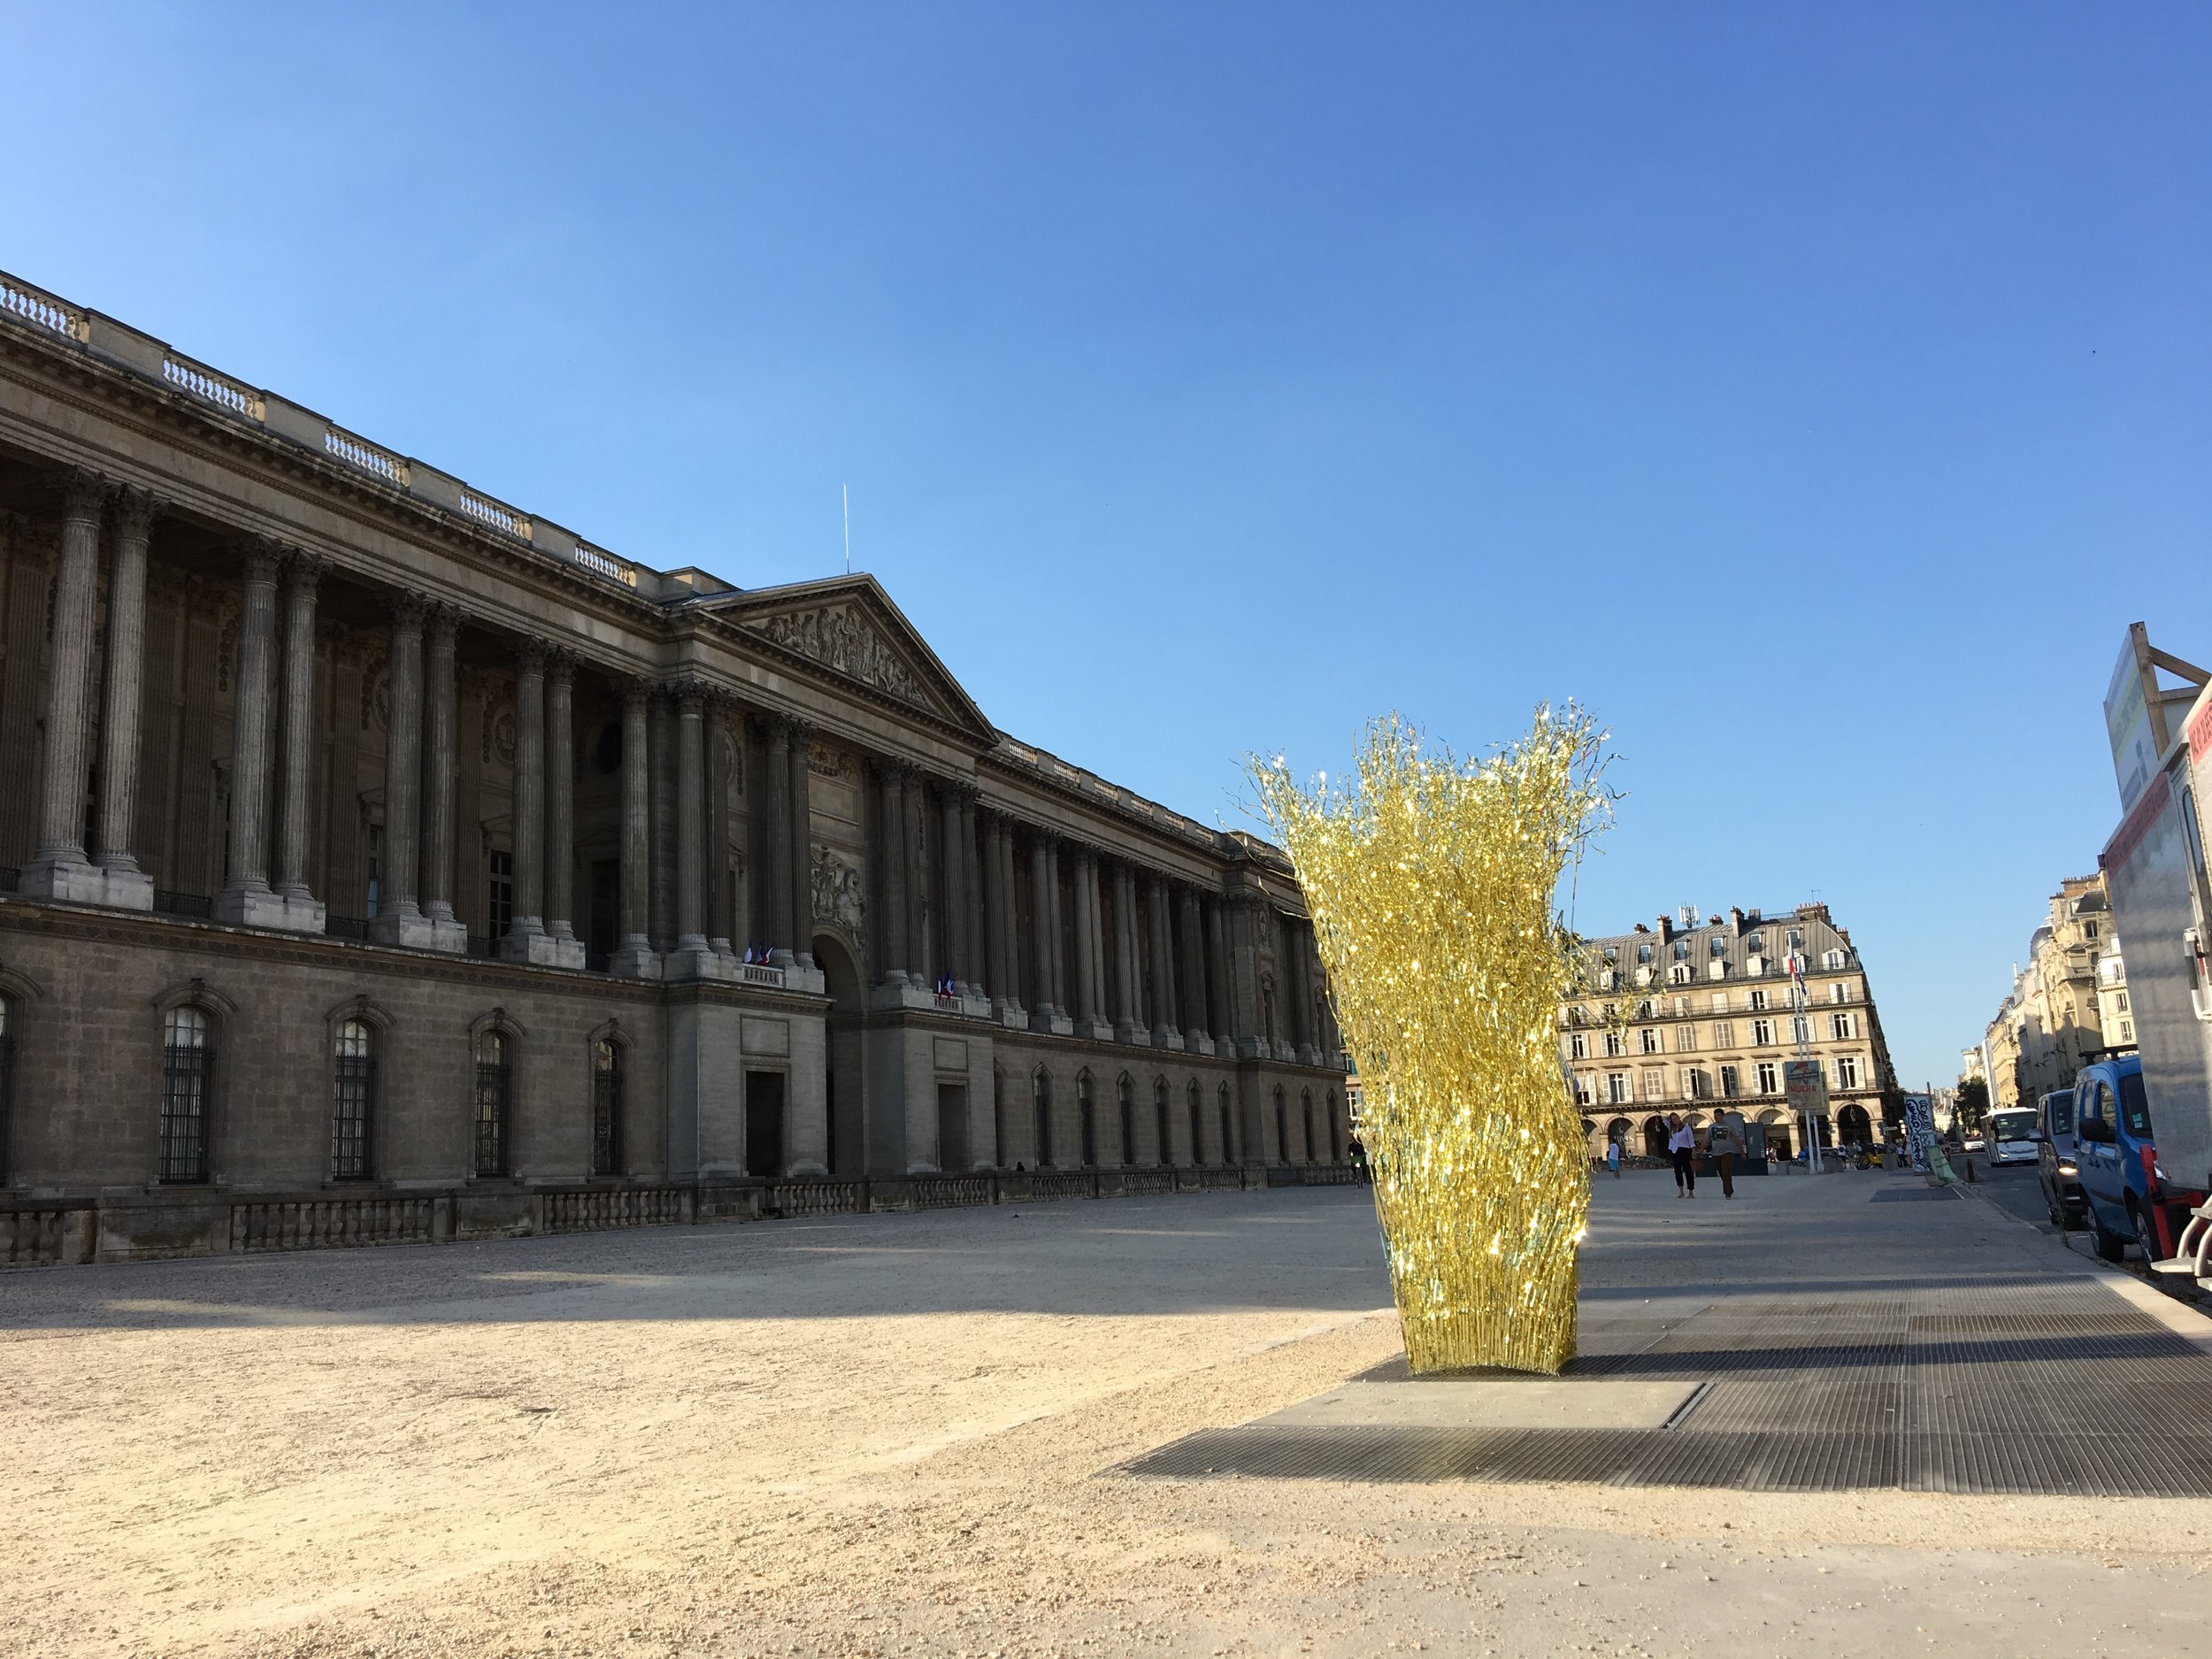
x,y
1735,918
1666,929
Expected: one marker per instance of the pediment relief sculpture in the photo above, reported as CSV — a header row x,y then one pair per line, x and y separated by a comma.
x,y
840,637
839,891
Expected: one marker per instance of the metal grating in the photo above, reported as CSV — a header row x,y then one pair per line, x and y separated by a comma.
x,y
1913,1195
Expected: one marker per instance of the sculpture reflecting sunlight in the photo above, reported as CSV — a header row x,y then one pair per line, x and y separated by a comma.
x,y
1431,883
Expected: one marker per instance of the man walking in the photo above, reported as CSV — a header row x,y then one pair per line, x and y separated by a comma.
x,y
1726,1142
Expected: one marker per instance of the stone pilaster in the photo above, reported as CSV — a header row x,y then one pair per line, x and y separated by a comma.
x,y
441,775
1129,1024
777,912
971,882
1044,944
799,802
661,792
921,970
1004,967
635,958
527,939
560,810
719,715
399,919
61,871
891,820
954,885
695,957
1218,997
247,898
127,885
1193,970
1300,935
1161,932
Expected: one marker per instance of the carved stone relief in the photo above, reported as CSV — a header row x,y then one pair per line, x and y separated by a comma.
x,y
839,636
840,891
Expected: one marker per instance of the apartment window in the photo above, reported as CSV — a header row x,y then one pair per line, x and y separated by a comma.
x,y
1720,1002
2121,1003
1730,1087
1723,1033
1610,1009
1847,1071
187,1069
1762,1033
1617,1087
1767,1076
1832,960
1840,1025
1655,1082
353,1104
1756,944
1685,1039
609,1062
1576,1015
1613,1043
502,872
1679,974
1582,1090
494,1081
1612,953
1800,1028
2089,930
1681,950
1839,992
1696,1084
1681,1006
1647,1040
1720,945
2127,1031
1643,953
1758,1000
1577,1047
1797,938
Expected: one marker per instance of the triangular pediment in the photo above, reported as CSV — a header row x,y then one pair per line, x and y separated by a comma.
x,y
847,627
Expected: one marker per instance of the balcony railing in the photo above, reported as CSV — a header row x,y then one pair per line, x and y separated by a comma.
x,y
204,382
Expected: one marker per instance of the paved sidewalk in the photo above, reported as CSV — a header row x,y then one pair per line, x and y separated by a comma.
x,y
1844,1332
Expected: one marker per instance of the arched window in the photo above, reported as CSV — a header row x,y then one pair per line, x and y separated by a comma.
x,y
998,1114
353,1102
1127,1093
1228,1138
609,1064
1336,1141
1191,1098
1159,1121
1041,1113
1282,1128
1086,1119
494,1094
7,1079
188,1072
1305,1113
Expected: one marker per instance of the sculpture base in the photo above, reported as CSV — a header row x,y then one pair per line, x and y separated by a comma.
x,y
258,907
75,883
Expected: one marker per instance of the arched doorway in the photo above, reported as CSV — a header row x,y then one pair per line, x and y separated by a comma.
x,y
1620,1129
1777,1125
1855,1127
845,1070
1655,1133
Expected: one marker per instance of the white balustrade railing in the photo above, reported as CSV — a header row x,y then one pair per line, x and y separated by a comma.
x,y
759,973
20,299
496,514
367,456
605,565
204,382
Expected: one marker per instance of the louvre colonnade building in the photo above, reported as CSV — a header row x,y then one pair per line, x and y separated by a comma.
x,y
377,849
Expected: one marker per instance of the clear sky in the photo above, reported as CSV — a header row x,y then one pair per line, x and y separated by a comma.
x,y
1816,392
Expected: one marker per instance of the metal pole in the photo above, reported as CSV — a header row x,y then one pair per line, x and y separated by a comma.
x,y
1800,1028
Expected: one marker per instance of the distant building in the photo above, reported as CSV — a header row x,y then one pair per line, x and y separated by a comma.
x,y
1696,1014
2055,1016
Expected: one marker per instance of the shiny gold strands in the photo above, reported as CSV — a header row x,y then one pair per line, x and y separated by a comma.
x,y
1431,883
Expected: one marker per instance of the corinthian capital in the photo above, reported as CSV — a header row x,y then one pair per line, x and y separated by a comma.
x,y
135,510
83,492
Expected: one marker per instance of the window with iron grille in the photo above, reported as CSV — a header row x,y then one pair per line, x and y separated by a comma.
x,y
1191,1098
187,1064
1282,1130
1041,1113
494,1083
1305,1110
1084,1120
1228,1144
354,1103
1159,1121
606,1108
1128,1121
500,893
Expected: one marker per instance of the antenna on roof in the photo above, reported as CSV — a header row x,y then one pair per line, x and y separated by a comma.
x,y
846,491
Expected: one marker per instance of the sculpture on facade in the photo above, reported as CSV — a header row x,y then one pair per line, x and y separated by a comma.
x,y
1431,882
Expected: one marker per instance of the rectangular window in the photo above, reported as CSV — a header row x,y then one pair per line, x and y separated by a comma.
x,y
1797,938
1579,1047
503,893
1654,1084
1720,1002
2124,1001
1694,1084
376,869
2089,930
1762,1033
1613,1044
1730,1086
1649,1037
1800,1028
1617,1087
1839,992
1681,1006
1723,1033
1758,1000
1685,1039
1840,1025
1847,1071
1767,1084
2127,1031
354,1106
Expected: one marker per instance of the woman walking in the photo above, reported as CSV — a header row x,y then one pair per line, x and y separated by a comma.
x,y
1682,1145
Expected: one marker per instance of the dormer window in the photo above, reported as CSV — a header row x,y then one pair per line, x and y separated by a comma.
x,y
1681,950
1756,944
1832,960
1643,953
1797,938
1679,974
1612,953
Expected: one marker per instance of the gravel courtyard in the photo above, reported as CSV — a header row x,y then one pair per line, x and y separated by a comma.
x,y
887,1433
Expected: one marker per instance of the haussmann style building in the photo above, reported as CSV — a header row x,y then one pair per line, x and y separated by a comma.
x,y
1696,1015
381,862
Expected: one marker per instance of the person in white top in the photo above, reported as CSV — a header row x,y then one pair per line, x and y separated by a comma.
x,y
1682,1145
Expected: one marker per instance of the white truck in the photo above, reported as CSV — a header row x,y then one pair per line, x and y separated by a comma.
x,y
2161,902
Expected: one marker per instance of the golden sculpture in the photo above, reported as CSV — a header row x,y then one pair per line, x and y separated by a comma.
x,y
1431,882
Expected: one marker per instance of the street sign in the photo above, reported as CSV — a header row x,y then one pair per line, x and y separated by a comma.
x,y
1807,1090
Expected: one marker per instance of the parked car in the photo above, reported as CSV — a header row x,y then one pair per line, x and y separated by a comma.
x,y
2057,1168
2116,1161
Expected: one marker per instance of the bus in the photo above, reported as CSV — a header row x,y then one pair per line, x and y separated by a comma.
x,y
2012,1136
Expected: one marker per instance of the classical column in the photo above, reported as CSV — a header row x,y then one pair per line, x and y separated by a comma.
x,y
1164,1035
441,774
126,884
246,897
560,806
661,792
1085,943
717,831
1193,971
1309,981
971,879
998,938
1218,1019
399,918
525,939
891,816
955,868
1244,979
1128,1009
800,801
634,958
691,806
1045,945
776,842
61,870
920,969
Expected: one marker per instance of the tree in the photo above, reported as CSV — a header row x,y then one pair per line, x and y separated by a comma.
x,y
1970,1109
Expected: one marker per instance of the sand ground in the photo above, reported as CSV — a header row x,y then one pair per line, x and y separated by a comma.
x,y
887,1434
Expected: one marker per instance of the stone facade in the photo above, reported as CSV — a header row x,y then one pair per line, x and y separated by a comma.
x,y
2054,1018
374,839
1693,1016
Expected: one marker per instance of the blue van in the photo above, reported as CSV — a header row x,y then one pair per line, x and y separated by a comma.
x,y
2116,1162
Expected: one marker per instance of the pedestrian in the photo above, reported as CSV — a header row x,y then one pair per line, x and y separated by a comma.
x,y
1725,1142
1613,1156
1682,1146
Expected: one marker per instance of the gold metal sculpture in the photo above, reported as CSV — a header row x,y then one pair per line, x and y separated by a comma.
x,y
1431,882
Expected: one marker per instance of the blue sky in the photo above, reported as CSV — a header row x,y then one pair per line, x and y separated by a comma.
x,y
1816,393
